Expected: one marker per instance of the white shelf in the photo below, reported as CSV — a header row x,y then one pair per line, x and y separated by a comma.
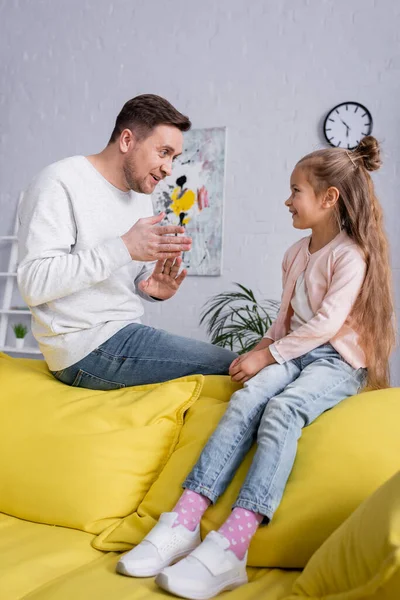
x,y
13,311
24,350
12,307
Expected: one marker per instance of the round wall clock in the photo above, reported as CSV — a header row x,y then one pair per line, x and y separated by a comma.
x,y
346,124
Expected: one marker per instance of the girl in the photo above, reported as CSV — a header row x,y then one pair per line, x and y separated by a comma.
x,y
333,334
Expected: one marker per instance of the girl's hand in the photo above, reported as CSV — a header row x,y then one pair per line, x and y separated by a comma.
x,y
164,282
239,359
246,366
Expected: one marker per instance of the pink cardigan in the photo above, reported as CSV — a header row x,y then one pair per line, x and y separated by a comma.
x,y
334,276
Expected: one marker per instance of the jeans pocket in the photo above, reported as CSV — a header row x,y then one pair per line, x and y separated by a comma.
x,y
92,382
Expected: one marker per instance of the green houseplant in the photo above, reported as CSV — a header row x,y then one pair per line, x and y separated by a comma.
x,y
237,320
20,332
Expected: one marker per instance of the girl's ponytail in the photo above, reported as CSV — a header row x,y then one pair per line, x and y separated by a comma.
x,y
368,152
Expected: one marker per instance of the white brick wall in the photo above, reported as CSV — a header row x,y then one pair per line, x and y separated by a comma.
x,y
267,70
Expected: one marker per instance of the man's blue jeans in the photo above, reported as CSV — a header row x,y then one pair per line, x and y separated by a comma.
x,y
272,407
138,355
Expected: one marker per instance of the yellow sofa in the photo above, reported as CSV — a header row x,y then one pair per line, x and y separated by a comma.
x,y
84,475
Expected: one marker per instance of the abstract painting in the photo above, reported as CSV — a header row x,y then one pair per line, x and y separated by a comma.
x,y
193,197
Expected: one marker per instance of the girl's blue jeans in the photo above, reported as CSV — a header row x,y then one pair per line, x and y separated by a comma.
x,y
272,408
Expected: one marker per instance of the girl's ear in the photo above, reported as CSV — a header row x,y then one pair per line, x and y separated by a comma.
x,y
331,197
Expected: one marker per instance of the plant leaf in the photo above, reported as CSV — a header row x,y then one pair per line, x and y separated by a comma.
x,y
236,320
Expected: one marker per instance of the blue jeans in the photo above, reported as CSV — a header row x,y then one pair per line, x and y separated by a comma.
x,y
273,407
138,355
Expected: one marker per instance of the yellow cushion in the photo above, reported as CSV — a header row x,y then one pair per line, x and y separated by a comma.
x,y
342,458
200,421
361,559
83,458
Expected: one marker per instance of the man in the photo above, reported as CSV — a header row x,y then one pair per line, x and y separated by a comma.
x,y
90,250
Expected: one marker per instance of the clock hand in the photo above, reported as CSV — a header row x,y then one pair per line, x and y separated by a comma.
x,y
347,128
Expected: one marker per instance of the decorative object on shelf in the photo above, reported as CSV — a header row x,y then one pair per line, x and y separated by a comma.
x,y
20,331
193,197
236,320
346,124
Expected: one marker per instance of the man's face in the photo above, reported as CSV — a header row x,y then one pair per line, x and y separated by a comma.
x,y
150,159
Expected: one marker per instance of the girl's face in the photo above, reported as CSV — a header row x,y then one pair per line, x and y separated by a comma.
x,y
308,210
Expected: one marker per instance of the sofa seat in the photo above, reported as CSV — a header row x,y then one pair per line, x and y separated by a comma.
x,y
45,562
31,555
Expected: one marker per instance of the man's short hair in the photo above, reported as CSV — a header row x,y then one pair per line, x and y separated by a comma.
x,y
143,113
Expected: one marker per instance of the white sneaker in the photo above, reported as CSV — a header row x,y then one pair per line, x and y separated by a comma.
x,y
161,547
207,571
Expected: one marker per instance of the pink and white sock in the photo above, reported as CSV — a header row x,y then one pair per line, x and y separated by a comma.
x,y
239,528
191,507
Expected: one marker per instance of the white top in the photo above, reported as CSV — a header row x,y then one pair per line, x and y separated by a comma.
x,y
302,312
75,272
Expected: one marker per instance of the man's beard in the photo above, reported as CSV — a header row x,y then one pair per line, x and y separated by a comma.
x,y
130,176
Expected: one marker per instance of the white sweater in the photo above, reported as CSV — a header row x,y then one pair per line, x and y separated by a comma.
x,y
75,272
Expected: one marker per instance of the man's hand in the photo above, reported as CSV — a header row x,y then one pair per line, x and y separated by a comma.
x,y
147,241
247,365
164,282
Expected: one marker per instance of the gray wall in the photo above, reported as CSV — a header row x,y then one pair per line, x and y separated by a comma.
x,y
269,71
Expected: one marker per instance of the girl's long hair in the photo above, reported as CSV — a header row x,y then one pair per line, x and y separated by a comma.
x,y
360,214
